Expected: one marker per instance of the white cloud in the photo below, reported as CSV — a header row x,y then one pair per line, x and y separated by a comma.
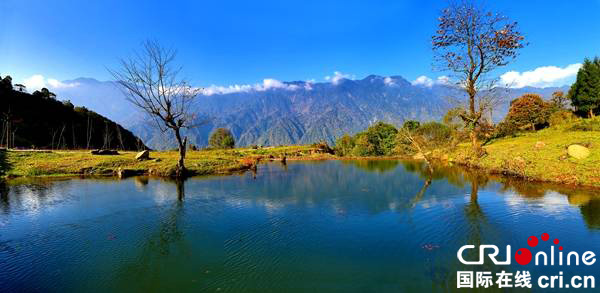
x,y
309,84
38,81
267,84
428,82
423,80
443,80
389,81
337,76
545,76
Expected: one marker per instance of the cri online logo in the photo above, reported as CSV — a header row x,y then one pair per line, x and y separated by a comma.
x,y
524,256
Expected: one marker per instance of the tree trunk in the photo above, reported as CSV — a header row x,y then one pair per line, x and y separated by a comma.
x,y
180,172
474,140
472,115
591,113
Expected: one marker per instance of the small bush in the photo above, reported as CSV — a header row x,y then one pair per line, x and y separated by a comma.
x,y
505,129
586,125
434,133
323,148
561,118
411,125
344,145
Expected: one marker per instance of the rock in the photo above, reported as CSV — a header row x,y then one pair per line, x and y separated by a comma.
x,y
578,151
124,173
143,155
540,145
104,152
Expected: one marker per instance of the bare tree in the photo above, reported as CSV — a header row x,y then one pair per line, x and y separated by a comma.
x,y
417,144
151,82
107,136
471,43
120,137
61,139
73,138
88,131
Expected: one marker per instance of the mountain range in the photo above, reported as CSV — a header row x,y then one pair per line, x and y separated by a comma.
x,y
281,113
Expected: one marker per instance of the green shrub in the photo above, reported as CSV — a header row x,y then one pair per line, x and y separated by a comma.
x,y
504,129
377,140
434,133
344,145
586,125
221,138
561,118
411,125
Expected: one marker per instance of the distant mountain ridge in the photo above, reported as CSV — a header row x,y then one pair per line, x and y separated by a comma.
x,y
296,112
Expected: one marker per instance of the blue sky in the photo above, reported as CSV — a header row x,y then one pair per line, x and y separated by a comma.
x,y
243,42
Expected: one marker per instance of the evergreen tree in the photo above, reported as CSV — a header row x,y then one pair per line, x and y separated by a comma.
x,y
585,92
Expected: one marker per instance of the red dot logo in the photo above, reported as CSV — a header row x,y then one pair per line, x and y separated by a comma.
x,y
545,236
532,241
523,256
556,241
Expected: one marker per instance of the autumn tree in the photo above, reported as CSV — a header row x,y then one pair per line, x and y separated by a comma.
x,y
151,81
529,111
585,92
471,43
559,101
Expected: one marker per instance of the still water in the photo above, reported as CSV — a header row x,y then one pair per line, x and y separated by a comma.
x,y
332,226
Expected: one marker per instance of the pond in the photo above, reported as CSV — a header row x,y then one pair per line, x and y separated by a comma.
x,y
330,226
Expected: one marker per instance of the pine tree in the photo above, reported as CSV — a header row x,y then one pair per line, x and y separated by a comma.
x,y
585,92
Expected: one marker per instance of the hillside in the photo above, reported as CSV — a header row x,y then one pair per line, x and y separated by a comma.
x,y
539,156
40,121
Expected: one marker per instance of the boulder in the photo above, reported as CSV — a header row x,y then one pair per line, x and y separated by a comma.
x,y
143,155
104,152
578,151
124,173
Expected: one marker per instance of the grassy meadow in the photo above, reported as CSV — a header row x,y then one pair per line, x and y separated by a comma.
x,y
16,163
539,156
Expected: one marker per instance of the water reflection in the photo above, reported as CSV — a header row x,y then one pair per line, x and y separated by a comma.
x,y
374,165
348,224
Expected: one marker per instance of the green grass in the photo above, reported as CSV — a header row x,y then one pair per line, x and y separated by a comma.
x,y
68,163
519,156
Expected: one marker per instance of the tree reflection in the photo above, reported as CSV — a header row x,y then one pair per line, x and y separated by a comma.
x,y
4,202
165,245
591,213
380,166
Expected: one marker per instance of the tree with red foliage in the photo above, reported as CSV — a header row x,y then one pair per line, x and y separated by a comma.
x,y
471,43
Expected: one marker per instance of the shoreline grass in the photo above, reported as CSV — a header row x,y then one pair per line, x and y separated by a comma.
x,y
519,156
21,163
